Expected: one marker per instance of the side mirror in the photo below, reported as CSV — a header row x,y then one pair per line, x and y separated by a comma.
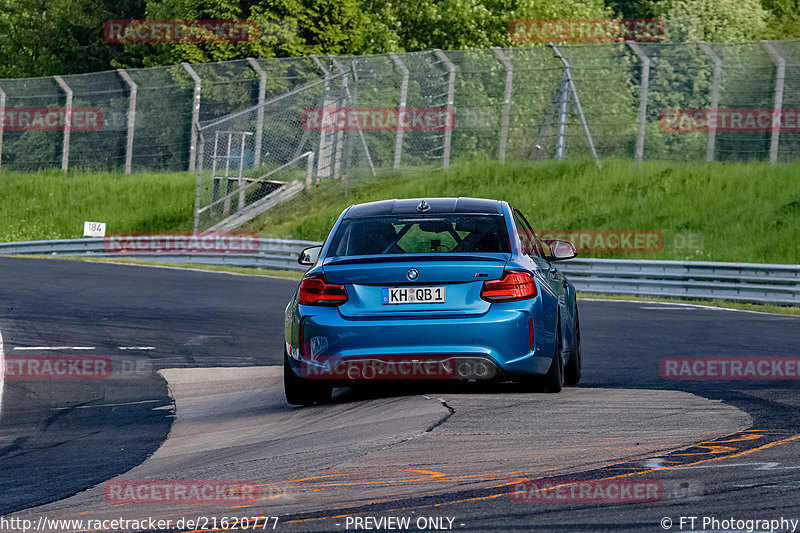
x,y
559,250
309,255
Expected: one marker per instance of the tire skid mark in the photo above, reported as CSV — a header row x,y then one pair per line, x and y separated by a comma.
x,y
633,466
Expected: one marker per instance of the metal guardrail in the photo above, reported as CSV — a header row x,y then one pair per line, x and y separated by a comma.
x,y
747,282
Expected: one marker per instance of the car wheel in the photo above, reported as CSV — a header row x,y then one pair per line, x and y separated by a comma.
x,y
554,379
299,391
573,372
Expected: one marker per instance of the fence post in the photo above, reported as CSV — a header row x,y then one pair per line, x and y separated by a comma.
x,y
241,182
569,84
501,154
195,115
262,96
451,88
398,144
642,98
324,164
712,128
780,63
338,149
195,127
67,122
131,118
2,122
563,109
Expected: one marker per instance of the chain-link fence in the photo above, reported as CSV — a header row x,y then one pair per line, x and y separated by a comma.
x,y
683,101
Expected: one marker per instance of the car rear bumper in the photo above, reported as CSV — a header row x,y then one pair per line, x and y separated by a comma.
x,y
500,337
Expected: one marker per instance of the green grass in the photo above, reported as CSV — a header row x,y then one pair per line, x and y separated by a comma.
x,y
54,205
745,211
748,212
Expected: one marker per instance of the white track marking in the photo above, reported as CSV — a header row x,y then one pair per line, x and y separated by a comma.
x,y
24,348
136,347
698,306
667,308
754,466
2,373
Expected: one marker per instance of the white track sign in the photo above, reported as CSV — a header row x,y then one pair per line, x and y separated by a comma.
x,y
94,229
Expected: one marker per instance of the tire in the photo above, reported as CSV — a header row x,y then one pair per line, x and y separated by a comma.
x,y
299,391
572,375
553,381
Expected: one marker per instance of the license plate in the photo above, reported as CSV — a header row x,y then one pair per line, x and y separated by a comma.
x,y
412,295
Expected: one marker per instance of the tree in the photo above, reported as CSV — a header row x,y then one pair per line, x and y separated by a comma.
x,y
713,20
48,37
784,19
287,28
464,24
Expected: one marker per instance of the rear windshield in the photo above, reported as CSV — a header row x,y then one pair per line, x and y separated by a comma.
x,y
415,234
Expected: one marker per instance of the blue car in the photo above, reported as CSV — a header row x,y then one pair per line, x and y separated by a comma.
x,y
431,289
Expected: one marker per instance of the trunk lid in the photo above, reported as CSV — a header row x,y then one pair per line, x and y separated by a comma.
x,y
461,276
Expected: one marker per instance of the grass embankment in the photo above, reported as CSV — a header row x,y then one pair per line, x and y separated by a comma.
x,y
745,212
54,205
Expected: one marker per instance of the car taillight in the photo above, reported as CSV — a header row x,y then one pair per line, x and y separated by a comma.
x,y
317,291
513,285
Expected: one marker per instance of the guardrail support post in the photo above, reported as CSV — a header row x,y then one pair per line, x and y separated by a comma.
x,y
67,122
398,144
712,130
451,88
131,118
2,122
780,74
642,98
262,96
501,153
195,114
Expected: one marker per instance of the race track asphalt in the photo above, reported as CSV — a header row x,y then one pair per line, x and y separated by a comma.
x,y
60,437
